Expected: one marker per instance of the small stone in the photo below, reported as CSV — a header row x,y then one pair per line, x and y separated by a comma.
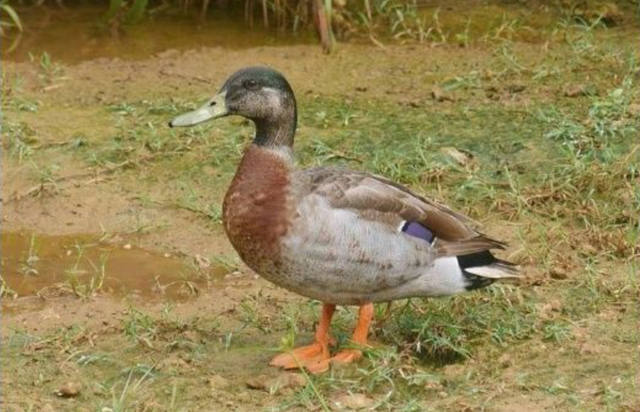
x,y
127,246
69,390
257,382
354,401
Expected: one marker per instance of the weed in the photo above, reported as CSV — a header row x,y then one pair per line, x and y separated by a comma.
x,y
76,275
14,19
5,289
50,71
123,401
140,327
32,258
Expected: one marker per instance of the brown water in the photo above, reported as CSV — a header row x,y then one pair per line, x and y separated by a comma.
x,y
75,34
48,265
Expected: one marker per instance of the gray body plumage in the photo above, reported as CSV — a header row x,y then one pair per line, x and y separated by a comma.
x,y
344,245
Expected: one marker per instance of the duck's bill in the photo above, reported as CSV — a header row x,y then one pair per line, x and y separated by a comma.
x,y
213,109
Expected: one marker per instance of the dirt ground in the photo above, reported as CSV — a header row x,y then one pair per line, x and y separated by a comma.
x,y
86,167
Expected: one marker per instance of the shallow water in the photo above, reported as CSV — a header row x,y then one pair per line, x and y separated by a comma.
x,y
76,33
47,265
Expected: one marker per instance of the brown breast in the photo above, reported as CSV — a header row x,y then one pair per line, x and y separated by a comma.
x,y
255,210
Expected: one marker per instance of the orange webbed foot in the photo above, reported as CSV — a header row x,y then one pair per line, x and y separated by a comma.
x,y
314,357
346,356
304,356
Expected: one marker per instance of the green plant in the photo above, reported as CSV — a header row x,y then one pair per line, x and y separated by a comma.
x,y
122,11
75,276
14,19
5,289
28,267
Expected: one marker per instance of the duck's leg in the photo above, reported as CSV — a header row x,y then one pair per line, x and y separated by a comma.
x,y
365,316
314,357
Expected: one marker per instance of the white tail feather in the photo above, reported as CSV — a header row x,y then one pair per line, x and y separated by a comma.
x,y
495,271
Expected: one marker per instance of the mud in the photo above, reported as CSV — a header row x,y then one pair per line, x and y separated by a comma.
x,y
40,265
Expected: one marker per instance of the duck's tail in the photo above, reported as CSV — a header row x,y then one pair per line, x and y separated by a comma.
x,y
482,268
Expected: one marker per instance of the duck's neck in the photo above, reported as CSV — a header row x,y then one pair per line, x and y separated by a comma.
x,y
278,129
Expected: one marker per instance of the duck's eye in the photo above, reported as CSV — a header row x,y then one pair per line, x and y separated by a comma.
x,y
250,84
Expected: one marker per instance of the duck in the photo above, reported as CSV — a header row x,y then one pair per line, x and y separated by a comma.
x,y
339,236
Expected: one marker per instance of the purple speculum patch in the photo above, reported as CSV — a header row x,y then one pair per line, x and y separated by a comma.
x,y
415,229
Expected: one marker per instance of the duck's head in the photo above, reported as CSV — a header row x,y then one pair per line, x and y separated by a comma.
x,y
260,94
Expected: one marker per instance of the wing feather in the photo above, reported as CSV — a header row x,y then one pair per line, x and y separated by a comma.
x,y
376,198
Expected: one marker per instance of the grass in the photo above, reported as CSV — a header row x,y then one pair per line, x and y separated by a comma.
x,y
558,175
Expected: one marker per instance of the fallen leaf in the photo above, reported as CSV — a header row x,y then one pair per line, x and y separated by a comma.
x,y
257,382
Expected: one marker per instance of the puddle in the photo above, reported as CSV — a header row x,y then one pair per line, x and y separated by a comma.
x,y
74,34
82,264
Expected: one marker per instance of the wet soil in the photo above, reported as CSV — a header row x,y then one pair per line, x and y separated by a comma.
x,y
86,265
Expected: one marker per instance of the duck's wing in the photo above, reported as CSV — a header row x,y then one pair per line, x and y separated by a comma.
x,y
378,199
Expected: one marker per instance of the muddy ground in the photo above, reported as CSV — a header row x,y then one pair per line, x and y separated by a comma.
x,y
92,175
